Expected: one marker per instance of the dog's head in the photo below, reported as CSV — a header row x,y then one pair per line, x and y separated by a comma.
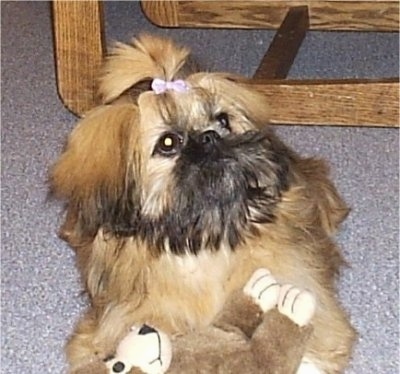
x,y
183,166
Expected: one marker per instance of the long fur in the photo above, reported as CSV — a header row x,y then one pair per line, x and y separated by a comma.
x,y
165,240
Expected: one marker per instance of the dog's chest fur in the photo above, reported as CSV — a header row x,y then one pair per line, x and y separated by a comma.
x,y
190,289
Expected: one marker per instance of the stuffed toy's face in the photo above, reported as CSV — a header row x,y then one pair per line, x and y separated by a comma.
x,y
144,348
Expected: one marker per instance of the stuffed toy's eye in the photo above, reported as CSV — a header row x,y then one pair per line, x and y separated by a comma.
x,y
118,367
223,120
169,144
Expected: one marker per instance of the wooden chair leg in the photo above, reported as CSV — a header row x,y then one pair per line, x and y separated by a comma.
x,y
79,48
344,102
285,45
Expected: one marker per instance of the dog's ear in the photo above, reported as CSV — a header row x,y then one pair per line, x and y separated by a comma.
x,y
146,58
332,210
95,175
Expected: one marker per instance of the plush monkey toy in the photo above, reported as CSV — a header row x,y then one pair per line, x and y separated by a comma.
x,y
262,329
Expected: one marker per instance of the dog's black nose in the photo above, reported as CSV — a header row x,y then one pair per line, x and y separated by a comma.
x,y
145,329
209,137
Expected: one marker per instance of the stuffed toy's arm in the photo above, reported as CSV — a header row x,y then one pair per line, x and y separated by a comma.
x,y
263,328
244,310
279,343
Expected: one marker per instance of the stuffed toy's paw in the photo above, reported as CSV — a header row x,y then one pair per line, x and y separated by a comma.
x,y
263,289
145,348
299,305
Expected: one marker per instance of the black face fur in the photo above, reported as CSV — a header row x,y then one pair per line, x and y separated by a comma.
x,y
224,187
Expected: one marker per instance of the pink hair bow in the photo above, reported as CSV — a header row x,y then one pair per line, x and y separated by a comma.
x,y
160,86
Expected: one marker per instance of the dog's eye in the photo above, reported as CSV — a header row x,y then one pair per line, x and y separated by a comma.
x,y
169,144
223,120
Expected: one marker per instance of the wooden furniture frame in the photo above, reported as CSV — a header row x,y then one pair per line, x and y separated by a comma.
x,y
79,48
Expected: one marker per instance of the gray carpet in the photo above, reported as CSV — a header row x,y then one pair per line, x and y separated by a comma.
x,y
41,296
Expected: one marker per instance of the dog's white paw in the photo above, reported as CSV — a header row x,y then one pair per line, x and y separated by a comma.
x,y
263,288
145,348
297,304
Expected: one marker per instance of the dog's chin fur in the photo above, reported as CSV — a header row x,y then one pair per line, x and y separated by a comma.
x,y
164,239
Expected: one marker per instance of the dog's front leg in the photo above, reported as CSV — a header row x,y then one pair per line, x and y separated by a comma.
x,y
83,355
97,334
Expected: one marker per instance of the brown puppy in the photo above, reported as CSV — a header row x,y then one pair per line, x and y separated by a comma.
x,y
176,195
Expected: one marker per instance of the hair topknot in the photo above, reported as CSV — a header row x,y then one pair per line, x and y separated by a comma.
x,y
145,58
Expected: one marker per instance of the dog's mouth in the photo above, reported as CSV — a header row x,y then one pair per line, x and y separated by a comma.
x,y
247,164
224,188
